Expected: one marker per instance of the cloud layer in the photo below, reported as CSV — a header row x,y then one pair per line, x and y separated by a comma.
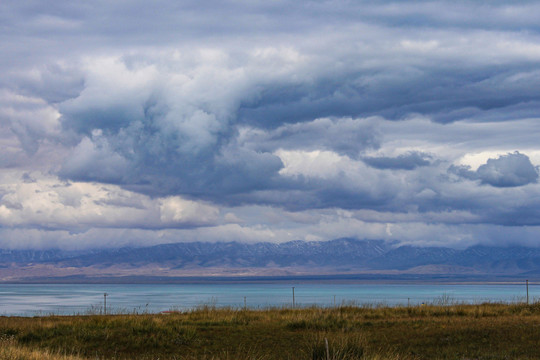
x,y
269,121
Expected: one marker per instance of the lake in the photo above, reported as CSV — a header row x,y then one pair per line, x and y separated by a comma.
x,y
68,299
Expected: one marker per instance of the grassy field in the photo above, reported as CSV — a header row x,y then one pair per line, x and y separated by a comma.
x,y
486,331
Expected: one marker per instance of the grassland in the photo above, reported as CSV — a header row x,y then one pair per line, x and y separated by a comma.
x,y
484,331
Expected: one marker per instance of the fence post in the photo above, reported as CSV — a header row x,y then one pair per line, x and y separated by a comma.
x,y
527,284
105,303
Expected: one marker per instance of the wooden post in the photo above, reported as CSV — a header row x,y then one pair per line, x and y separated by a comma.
x,y
334,300
527,284
293,302
105,303
245,303
408,302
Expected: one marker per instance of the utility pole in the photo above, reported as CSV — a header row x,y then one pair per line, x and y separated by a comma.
x,y
293,302
105,303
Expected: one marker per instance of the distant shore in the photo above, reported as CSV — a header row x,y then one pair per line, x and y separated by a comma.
x,y
317,278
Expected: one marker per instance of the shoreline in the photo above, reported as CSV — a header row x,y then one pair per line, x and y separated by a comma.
x,y
291,279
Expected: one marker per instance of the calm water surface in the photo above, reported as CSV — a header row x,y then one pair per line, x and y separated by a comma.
x,y
37,299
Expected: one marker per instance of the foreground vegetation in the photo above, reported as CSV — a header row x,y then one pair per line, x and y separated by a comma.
x,y
486,331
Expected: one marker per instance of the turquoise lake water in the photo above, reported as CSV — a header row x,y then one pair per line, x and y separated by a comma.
x,y
68,299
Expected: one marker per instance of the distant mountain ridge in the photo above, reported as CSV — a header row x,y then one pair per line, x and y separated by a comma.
x,y
340,255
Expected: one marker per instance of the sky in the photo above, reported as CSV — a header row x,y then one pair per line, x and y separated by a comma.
x,y
135,123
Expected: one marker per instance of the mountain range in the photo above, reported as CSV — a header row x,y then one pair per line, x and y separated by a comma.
x,y
340,256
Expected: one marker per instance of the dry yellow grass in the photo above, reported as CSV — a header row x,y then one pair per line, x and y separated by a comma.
x,y
484,331
10,350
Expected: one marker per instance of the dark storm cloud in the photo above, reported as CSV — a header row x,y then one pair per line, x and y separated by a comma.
x,y
506,171
448,92
161,170
53,83
345,136
409,161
